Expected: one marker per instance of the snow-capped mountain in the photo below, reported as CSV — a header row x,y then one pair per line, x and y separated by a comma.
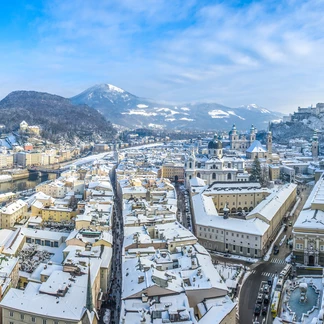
x,y
124,108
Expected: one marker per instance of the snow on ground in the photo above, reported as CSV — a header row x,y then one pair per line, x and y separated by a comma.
x,y
217,113
106,318
231,274
185,108
236,257
233,114
114,88
168,110
267,256
139,112
157,126
288,259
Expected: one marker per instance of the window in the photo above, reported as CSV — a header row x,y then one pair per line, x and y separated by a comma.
x,y
299,246
234,248
226,245
255,251
232,234
214,176
33,319
44,321
248,250
242,236
256,238
241,249
11,314
237,235
322,247
22,316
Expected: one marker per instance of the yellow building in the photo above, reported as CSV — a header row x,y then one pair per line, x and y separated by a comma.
x,y
172,171
12,213
274,172
26,159
237,196
57,214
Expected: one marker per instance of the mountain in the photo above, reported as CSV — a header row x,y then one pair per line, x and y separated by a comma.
x,y
126,109
58,117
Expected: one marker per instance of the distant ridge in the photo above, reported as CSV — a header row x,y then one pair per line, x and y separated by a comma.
x,y
124,108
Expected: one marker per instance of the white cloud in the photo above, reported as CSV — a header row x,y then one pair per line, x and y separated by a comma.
x,y
269,53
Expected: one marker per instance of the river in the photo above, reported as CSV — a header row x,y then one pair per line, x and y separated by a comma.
x,y
24,184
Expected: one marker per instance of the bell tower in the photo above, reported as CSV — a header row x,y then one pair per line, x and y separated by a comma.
x,y
252,134
315,149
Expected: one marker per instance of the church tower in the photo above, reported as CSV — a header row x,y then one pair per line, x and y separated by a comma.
x,y
190,168
233,136
269,143
252,134
315,146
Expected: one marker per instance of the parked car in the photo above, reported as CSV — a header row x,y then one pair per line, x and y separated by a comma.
x,y
270,281
257,309
266,288
266,299
260,298
264,310
275,249
290,224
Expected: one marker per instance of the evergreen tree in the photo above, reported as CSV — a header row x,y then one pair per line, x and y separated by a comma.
x,y
264,178
256,170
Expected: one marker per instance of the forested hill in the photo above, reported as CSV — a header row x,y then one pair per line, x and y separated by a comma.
x,y
58,117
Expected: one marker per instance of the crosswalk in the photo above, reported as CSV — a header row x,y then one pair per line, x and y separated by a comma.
x,y
274,260
268,274
265,274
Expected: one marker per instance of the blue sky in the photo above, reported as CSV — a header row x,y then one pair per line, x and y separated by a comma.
x,y
229,52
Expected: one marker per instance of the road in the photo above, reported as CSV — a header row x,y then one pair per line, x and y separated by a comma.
x,y
184,217
250,289
260,272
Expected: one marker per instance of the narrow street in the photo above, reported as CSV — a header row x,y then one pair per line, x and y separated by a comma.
x,y
115,289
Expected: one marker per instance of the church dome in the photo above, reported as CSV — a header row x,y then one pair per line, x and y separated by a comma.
x,y
215,143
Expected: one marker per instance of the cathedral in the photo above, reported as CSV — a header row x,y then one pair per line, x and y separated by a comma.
x,y
214,166
217,167
241,142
